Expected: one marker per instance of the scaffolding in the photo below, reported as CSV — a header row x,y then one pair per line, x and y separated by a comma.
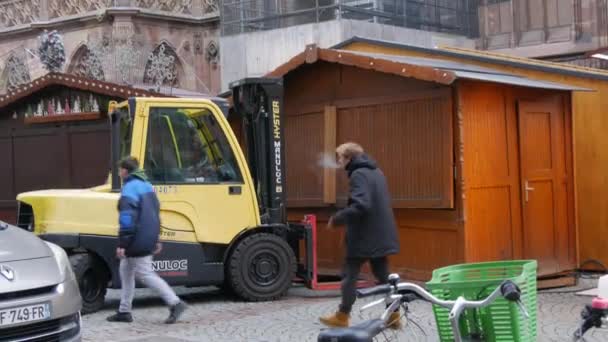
x,y
450,16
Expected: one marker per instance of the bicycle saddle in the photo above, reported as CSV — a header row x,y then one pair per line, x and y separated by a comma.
x,y
362,332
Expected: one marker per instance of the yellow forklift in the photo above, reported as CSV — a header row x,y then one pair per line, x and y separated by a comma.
x,y
223,216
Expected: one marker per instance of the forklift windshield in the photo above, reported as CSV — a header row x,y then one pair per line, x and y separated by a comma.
x,y
187,145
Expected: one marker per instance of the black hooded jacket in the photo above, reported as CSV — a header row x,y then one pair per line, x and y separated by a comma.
x,y
371,230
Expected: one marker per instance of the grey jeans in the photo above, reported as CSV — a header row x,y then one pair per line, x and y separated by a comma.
x,y
141,268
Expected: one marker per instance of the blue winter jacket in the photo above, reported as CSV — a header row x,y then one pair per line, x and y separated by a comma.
x,y
138,216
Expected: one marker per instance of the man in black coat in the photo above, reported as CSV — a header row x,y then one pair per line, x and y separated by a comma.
x,y
371,232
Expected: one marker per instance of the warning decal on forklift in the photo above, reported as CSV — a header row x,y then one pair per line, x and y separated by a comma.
x,y
171,268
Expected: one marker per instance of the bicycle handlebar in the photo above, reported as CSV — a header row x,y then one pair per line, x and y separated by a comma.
x,y
394,295
506,289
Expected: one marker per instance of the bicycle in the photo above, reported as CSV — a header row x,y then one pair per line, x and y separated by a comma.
x,y
398,294
594,315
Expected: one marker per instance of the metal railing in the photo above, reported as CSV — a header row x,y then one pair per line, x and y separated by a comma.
x,y
450,16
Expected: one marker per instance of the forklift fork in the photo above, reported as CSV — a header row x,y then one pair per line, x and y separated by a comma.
x,y
308,272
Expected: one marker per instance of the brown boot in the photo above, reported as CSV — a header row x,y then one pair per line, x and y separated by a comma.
x,y
337,320
394,321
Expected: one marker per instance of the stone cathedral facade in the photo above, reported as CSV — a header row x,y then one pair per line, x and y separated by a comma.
x,y
118,41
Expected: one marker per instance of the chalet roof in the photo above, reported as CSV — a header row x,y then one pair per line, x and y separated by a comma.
x,y
425,69
488,57
76,82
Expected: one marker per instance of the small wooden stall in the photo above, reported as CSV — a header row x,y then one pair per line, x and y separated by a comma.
x,y
456,143
589,124
54,133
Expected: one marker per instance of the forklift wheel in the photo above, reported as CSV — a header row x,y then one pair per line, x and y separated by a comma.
x,y
92,281
261,267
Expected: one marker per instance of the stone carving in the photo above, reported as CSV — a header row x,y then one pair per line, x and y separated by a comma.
x,y
173,6
198,43
161,67
110,55
177,6
212,52
211,6
89,65
17,72
61,8
19,12
128,55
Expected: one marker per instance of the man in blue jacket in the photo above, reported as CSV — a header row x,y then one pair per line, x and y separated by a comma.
x,y
139,219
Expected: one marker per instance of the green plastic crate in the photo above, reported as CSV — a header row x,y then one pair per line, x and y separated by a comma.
x,y
501,321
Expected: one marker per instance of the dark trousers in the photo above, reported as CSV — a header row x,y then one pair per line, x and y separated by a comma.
x,y
352,268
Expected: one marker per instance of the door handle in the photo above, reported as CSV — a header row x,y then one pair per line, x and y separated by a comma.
x,y
234,190
527,189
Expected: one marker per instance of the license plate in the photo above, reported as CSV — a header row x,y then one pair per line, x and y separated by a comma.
x,y
23,314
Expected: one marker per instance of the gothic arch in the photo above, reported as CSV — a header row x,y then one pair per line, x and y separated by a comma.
x,y
16,71
164,49
86,64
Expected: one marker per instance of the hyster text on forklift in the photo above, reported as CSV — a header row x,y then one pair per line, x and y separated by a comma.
x,y
223,217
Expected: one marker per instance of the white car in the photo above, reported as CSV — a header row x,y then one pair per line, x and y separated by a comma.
x,y
39,296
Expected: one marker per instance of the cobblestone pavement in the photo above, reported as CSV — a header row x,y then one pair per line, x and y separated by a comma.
x,y
215,317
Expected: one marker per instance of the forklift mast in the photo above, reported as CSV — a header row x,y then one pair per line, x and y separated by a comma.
x,y
259,103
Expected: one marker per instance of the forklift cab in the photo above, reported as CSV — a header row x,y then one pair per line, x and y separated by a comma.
x,y
188,146
194,163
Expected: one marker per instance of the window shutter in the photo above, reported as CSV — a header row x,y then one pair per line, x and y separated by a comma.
x,y
303,147
412,142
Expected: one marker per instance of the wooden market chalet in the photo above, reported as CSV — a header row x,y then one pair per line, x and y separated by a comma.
x,y
54,133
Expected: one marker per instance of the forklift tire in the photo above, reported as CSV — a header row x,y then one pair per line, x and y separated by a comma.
x,y
261,267
92,281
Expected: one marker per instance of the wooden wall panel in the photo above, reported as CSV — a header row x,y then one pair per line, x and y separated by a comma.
x,y
429,239
330,243
329,144
89,153
7,191
423,250
489,229
68,155
41,169
321,84
237,127
492,209
412,143
8,213
486,137
304,146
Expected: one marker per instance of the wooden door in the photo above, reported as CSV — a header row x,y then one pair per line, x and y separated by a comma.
x,y
544,183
